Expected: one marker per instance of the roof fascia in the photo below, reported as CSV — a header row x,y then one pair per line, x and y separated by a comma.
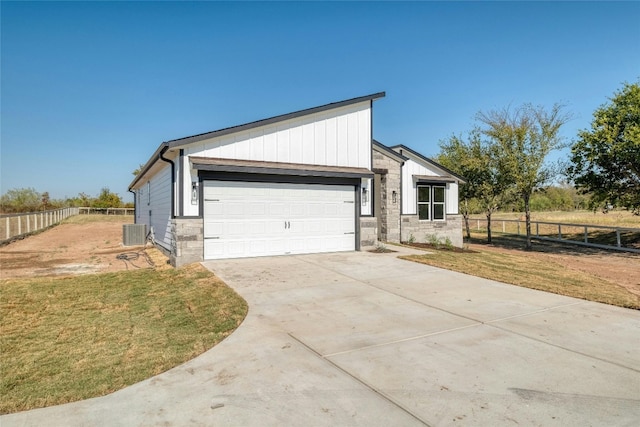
x,y
276,119
388,151
428,161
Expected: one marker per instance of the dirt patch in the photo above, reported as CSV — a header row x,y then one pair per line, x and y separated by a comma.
x,y
71,249
616,267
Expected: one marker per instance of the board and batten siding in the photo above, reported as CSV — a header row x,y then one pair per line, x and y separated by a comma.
x,y
153,206
410,193
337,137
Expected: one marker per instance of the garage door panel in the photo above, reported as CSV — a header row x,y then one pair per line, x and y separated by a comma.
x,y
261,219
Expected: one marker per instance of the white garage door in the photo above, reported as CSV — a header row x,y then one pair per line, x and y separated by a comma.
x,y
250,219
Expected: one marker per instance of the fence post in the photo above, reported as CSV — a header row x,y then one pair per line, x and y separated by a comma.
x,y
478,225
19,225
8,228
618,237
559,231
503,229
518,227
537,229
586,235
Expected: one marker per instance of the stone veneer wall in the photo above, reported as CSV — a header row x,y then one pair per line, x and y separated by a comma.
x,y
188,244
389,211
368,231
422,230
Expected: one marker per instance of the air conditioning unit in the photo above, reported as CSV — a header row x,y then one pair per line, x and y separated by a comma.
x,y
134,234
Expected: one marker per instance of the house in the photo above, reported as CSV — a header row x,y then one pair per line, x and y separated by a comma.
x,y
310,181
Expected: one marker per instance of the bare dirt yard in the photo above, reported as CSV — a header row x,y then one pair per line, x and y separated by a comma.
x,y
80,245
616,267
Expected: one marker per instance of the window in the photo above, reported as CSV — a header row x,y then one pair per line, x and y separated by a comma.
x,y
431,202
424,202
438,203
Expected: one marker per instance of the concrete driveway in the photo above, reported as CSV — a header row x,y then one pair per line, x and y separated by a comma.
x,y
367,339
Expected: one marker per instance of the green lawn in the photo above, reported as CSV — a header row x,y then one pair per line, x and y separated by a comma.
x,y
66,339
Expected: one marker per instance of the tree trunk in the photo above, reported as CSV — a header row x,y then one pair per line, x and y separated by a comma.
x,y
466,226
488,227
465,215
527,217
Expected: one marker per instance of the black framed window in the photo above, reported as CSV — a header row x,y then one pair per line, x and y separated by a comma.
x,y
431,202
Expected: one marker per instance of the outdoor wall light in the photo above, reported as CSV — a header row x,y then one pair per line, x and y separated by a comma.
x,y
194,193
365,195
394,196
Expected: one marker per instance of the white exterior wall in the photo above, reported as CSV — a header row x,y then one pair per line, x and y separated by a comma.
x,y
409,188
338,137
155,211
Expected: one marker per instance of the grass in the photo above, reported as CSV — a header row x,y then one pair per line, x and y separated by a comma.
x,y
521,269
66,339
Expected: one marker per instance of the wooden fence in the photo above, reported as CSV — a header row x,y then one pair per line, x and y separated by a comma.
x,y
106,211
597,236
13,226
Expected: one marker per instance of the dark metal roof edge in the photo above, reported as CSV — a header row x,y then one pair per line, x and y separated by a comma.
x,y
239,128
389,151
428,160
152,160
436,179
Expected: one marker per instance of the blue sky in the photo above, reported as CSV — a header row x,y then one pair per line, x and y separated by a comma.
x,y
90,89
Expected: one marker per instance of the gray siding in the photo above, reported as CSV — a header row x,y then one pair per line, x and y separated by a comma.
x,y
155,211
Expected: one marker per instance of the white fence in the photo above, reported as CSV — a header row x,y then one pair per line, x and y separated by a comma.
x,y
597,236
106,211
13,226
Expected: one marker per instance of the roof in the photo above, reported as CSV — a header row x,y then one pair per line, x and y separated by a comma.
x,y
276,168
276,119
174,143
388,151
429,161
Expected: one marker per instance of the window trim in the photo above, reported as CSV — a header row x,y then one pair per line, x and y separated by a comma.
x,y
432,203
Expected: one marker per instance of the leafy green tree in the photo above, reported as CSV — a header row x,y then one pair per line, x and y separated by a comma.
x,y
107,199
474,159
606,158
20,200
522,139
455,154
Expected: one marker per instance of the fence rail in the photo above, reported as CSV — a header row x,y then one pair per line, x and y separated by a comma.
x,y
597,236
106,211
13,226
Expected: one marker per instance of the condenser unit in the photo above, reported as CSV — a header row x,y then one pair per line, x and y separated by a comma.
x,y
134,234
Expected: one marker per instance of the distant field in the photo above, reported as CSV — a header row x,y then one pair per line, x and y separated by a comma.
x,y
613,218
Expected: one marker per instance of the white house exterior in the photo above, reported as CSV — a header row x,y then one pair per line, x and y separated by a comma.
x,y
302,182
430,200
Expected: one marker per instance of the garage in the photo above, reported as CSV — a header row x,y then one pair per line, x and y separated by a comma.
x,y
252,219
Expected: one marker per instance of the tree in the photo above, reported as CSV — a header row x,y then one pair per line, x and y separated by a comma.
x,y
107,199
137,171
606,159
46,202
523,138
20,200
455,154
474,159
